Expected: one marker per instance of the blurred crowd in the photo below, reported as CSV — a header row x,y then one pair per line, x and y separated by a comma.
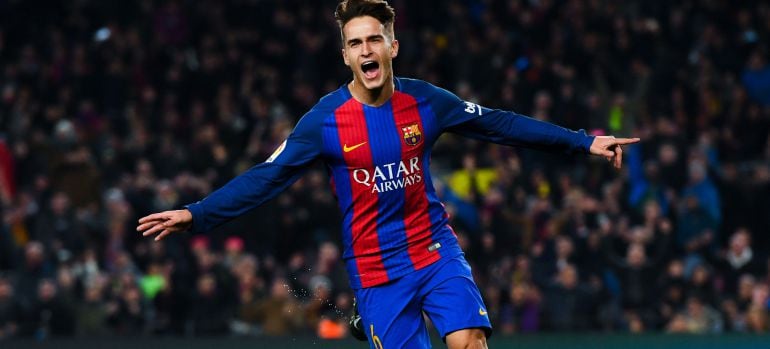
x,y
110,110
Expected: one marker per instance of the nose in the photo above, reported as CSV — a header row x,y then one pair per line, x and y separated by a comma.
x,y
366,49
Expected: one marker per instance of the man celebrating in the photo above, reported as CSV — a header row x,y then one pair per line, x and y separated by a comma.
x,y
375,136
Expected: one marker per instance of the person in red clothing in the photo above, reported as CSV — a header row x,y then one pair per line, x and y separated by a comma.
x,y
375,135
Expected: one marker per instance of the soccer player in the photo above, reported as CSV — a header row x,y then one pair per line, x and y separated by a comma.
x,y
375,135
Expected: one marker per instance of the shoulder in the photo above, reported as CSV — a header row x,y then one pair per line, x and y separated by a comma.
x,y
426,90
416,87
325,107
332,101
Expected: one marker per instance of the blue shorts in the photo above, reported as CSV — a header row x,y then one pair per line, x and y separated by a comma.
x,y
392,314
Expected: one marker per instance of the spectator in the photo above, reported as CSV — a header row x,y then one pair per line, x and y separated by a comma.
x,y
171,303
569,305
674,288
34,269
697,318
233,250
91,313
757,316
329,264
525,309
49,315
279,313
637,276
735,320
756,77
247,317
695,235
738,260
10,311
127,313
645,182
703,189
320,304
701,286
208,313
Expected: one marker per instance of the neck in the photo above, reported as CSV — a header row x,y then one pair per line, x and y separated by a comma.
x,y
372,97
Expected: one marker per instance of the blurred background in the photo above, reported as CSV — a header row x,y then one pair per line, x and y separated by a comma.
x,y
110,110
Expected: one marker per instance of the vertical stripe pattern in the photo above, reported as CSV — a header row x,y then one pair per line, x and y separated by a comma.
x,y
386,154
379,158
356,152
437,213
341,185
416,219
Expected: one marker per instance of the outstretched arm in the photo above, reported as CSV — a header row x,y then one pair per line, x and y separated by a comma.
x,y
509,128
246,191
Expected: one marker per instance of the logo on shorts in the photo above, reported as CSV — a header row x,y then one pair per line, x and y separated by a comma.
x,y
482,312
412,134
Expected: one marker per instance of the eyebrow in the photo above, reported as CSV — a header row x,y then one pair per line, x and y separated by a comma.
x,y
370,37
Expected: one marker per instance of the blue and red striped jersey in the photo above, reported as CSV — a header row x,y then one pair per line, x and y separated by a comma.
x,y
379,159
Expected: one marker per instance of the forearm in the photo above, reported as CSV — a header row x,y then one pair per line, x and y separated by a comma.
x,y
509,128
242,194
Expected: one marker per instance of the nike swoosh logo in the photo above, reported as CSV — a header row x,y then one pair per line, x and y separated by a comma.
x,y
347,149
482,312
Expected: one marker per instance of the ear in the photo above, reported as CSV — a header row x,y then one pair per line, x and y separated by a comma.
x,y
394,48
345,57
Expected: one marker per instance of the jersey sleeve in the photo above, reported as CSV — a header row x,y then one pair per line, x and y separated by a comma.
x,y
504,127
263,181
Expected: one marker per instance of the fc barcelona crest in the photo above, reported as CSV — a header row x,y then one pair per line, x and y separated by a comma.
x,y
412,134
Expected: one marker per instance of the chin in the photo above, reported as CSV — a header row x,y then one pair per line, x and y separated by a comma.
x,y
374,85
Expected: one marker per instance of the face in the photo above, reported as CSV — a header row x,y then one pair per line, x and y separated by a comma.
x,y
568,277
636,255
5,290
739,242
369,52
563,247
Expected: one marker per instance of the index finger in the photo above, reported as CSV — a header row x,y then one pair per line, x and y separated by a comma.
x,y
152,217
622,141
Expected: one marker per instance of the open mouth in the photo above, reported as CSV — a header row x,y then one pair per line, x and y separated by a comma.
x,y
371,69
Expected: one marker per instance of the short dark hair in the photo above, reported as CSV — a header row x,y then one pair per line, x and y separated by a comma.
x,y
379,9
